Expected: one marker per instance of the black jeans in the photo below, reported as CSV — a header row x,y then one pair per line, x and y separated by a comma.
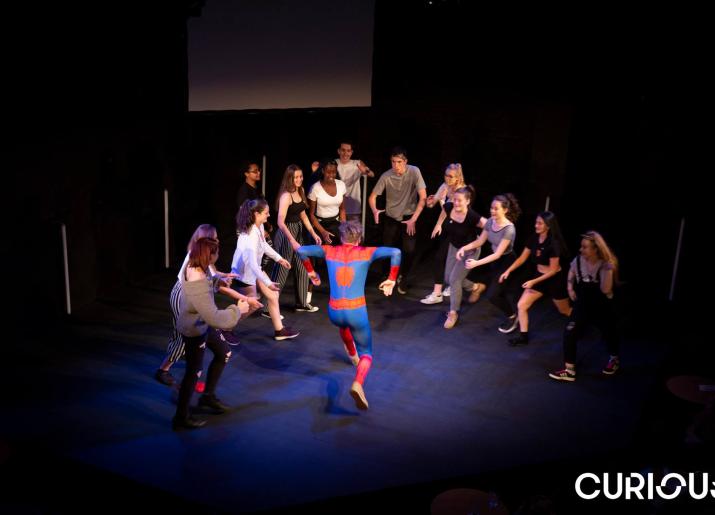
x,y
395,235
195,347
332,225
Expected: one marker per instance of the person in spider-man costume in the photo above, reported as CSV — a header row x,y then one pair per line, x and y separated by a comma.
x,y
347,270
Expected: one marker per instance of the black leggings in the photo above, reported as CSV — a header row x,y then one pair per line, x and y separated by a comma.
x,y
195,347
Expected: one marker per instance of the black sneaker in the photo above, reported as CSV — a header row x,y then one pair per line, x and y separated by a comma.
x,y
285,334
186,423
212,402
519,340
307,308
164,377
401,287
266,314
509,325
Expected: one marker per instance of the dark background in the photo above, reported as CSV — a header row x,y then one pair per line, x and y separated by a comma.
x,y
587,111
597,110
589,114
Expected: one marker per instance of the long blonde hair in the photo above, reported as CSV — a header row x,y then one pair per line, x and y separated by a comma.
x,y
458,175
603,250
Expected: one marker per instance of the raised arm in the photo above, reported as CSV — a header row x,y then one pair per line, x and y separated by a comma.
x,y
364,169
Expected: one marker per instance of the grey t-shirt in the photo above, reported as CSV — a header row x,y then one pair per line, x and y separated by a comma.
x,y
400,191
495,237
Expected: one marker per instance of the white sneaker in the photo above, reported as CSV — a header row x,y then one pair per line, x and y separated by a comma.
x,y
307,308
447,292
266,314
432,299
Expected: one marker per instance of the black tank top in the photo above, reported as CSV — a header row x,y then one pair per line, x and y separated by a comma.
x,y
294,210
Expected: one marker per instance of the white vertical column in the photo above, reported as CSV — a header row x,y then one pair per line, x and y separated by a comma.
x,y
63,230
364,200
166,228
548,201
264,177
677,260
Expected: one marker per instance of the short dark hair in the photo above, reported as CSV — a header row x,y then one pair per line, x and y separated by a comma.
x,y
329,162
398,152
245,164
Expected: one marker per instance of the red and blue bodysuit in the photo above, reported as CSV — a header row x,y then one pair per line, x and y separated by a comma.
x,y
347,271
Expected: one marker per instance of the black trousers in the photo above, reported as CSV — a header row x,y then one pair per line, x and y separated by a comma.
x,y
332,225
195,347
395,235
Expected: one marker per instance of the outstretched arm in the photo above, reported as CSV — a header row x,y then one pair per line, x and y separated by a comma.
x,y
473,263
395,256
306,252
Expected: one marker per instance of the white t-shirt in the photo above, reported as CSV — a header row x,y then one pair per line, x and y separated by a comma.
x,y
350,174
327,205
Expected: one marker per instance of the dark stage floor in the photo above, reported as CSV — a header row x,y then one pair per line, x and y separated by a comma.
x,y
444,405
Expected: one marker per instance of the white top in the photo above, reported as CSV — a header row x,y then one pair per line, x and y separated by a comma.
x,y
327,205
350,174
250,248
